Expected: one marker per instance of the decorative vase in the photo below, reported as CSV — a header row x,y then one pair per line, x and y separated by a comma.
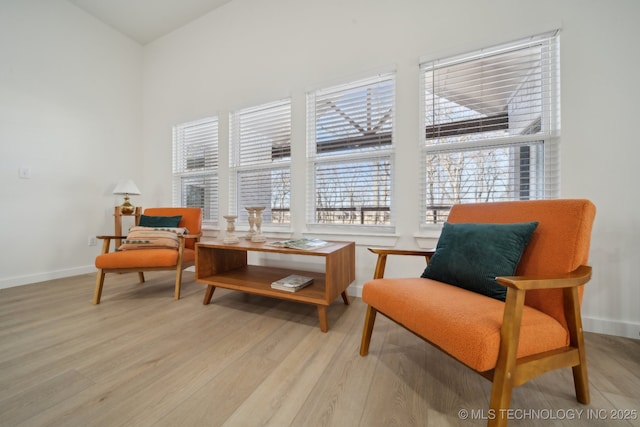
x,y
252,222
231,228
258,237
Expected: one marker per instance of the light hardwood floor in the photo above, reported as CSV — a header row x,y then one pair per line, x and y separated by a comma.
x,y
142,359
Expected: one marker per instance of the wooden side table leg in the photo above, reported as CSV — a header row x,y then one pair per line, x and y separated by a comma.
x,y
345,297
208,295
118,225
322,315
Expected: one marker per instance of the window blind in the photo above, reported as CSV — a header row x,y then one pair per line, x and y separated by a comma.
x,y
261,160
350,148
195,166
491,126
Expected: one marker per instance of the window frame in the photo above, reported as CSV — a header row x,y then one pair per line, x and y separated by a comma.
x,y
280,160
350,149
205,170
546,136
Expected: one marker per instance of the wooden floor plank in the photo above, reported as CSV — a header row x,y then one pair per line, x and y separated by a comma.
x,y
39,399
292,382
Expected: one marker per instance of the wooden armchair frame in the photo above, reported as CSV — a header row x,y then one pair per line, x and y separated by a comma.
x,y
562,245
179,267
510,371
193,221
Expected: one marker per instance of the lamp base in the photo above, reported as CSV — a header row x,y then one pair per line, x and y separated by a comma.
x,y
127,208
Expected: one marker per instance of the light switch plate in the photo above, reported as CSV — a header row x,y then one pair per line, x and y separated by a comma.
x,y
24,173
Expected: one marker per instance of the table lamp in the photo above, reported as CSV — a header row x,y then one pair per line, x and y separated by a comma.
x,y
126,187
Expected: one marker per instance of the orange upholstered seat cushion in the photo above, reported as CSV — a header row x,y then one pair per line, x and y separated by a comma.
x,y
464,324
143,258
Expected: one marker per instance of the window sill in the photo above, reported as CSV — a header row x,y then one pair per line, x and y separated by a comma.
x,y
427,237
363,236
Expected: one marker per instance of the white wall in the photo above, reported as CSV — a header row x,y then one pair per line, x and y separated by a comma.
x,y
71,111
254,51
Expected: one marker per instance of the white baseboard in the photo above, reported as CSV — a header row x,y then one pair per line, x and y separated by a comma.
x,y
611,327
42,277
355,290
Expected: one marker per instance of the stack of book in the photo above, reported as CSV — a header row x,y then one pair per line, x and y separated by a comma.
x,y
292,283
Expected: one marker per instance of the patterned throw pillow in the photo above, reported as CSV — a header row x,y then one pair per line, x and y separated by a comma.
x,y
152,238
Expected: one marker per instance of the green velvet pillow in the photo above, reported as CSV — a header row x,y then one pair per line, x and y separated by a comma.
x,y
471,256
159,221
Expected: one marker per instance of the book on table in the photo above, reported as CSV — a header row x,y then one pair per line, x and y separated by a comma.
x,y
304,244
292,283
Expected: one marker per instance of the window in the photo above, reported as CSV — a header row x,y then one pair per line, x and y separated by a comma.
x,y
350,145
492,121
195,167
261,161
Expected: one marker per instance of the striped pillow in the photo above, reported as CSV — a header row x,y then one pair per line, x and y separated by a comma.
x,y
152,238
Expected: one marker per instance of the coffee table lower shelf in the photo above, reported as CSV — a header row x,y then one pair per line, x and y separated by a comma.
x,y
254,279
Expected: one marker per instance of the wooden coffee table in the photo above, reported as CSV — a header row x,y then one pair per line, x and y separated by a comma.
x,y
225,266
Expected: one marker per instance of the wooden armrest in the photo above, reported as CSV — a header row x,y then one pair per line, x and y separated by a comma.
x,y
382,257
379,251
191,236
578,277
107,242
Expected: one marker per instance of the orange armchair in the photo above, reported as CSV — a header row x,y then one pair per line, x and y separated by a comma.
x,y
538,328
141,260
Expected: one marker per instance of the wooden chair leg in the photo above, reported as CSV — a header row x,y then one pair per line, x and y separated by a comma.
x,y
97,293
369,320
500,399
141,276
576,337
504,372
581,383
176,293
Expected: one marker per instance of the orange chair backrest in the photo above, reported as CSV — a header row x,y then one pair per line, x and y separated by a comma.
x,y
559,244
191,219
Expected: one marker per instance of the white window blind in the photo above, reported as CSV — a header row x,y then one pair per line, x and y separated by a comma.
x,y
350,131
492,121
195,167
261,161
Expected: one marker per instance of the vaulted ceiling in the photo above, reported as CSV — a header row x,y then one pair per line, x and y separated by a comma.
x,y
146,20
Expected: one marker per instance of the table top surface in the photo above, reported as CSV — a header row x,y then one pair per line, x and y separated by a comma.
x,y
248,245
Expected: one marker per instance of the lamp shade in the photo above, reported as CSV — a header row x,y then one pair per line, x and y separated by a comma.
x,y
126,186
